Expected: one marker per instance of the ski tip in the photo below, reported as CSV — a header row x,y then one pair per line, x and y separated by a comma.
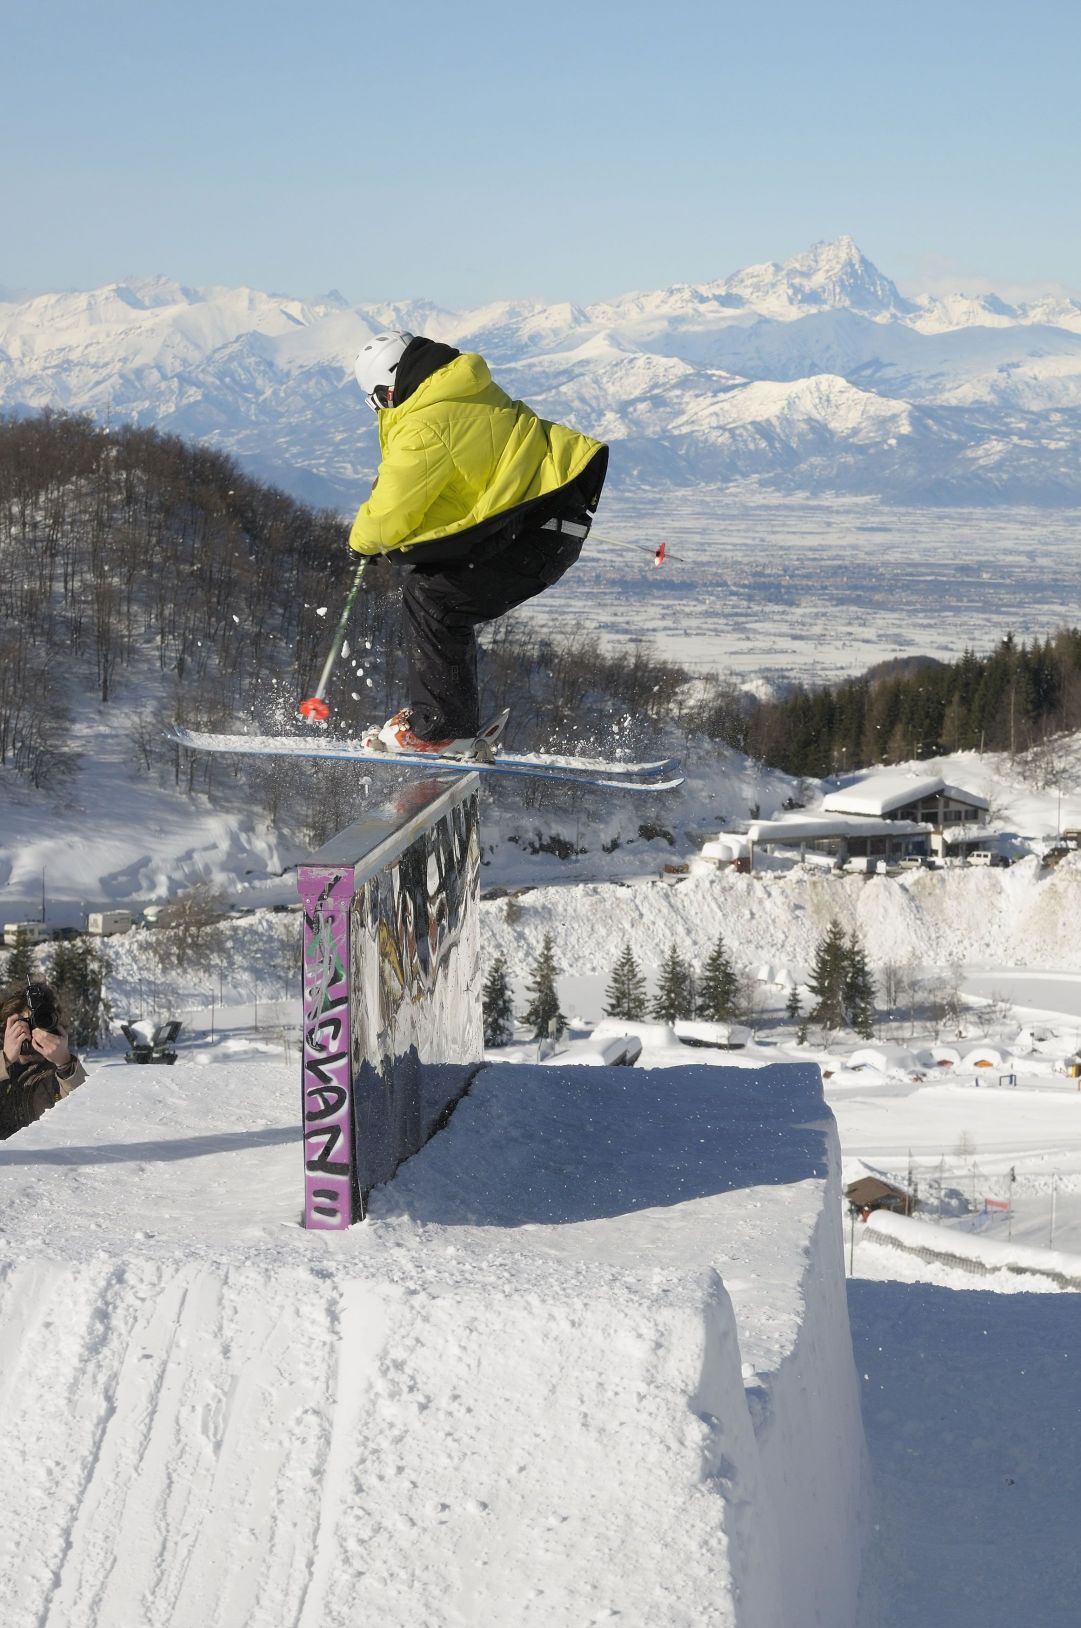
x,y
645,785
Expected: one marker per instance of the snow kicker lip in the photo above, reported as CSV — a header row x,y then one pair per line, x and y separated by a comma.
x,y
660,775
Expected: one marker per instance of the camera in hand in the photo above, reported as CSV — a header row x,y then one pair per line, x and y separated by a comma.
x,y
42,1013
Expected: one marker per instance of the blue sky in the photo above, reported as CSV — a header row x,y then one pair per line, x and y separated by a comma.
x,y
474,151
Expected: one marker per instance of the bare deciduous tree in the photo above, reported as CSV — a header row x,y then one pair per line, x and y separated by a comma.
x,y
189,928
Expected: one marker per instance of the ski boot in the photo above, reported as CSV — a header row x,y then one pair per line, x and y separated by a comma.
x,y
396,736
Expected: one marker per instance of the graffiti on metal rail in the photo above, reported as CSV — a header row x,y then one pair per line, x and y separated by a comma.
x,y
415,1001
330,1187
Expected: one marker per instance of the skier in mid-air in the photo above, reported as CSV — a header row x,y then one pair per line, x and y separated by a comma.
x,y
485,505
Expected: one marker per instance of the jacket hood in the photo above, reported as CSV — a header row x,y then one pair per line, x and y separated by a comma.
x,y
420,358
466,375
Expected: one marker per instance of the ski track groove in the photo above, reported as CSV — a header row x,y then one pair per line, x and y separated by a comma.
x,y
104,1327
326,1474
125,1444
143,1402
142,1429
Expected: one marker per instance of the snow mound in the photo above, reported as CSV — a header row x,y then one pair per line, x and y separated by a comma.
x,y
984,1057
588,1359
895,1061
972,1253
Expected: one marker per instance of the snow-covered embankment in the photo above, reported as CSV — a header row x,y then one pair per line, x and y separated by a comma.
x,y
588,1358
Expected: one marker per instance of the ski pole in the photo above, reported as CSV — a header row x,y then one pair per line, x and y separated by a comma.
x,y
659,553
315,708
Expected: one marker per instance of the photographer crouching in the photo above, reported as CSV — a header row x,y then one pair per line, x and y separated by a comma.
x,y
36,1067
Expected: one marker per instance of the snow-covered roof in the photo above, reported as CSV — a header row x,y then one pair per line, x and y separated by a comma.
x,y
807,828
894,788
966,831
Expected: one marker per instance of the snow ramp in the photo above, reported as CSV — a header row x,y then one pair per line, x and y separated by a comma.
x,y
586,1361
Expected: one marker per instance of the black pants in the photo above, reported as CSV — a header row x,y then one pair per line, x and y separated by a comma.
x,y
445,603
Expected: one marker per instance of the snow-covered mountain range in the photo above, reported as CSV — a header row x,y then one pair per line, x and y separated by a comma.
x,y
816,375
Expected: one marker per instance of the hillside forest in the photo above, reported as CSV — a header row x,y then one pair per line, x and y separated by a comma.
x,y
154,576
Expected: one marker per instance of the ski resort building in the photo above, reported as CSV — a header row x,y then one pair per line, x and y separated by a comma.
x,y
954,816
843,837
871,1193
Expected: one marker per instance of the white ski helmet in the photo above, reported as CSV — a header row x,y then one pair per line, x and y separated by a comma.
x,y
375,366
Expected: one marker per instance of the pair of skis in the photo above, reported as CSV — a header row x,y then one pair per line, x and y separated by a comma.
x,y
660,775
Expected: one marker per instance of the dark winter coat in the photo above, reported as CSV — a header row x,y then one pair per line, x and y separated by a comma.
x,y
28,1089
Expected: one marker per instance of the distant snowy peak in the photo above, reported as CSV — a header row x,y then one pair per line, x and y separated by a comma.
x,y
829,276
947,313
950,311
823,401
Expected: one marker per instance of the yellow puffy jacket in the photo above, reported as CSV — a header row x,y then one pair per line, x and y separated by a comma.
x,y
459,454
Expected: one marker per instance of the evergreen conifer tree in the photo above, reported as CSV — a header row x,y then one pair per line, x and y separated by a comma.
x,y
21,960
674,997
625,996
498,1006
78,972
828,980
792,1006
718,992
543,1014
859,990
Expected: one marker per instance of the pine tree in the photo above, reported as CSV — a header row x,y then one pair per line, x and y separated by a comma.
x,y
21,960
718,993
827,982
674,998
625,996
498,1006
78,972
543,1014
792,1006
859,990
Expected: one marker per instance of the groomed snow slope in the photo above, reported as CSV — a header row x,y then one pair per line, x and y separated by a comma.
x,y
588,1360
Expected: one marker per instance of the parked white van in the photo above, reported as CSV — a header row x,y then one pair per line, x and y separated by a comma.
x,y
34,932
104,923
